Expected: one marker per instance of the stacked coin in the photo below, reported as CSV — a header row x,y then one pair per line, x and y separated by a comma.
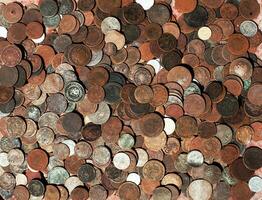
x,y
130,99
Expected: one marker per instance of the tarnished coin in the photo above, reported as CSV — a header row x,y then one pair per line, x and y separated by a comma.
x,y
110,23
101,115
57,175
86,173
74,91
36,188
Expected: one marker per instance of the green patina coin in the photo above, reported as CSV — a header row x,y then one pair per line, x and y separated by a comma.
x,y
57,175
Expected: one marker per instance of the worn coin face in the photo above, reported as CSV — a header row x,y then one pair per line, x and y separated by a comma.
x,y
248,28
86,173
195,158
74,91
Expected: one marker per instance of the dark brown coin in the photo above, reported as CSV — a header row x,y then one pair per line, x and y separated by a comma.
x,y
11,55
252,158
86,5
158,13
9,76
240,171
36,188
151,125
91,132
134,13
249,9
229,106
167,42
78,54
72,122
207,129
186,126
153,31
86,173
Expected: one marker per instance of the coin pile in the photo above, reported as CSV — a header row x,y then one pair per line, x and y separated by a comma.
x,y
130,99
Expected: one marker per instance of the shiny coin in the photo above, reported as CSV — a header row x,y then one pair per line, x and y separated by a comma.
x,y
121,161
255,184
248,28
204,33
195,158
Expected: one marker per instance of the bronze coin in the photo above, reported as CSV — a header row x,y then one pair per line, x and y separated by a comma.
x,y
249,9
37,159
12,12
11,55
186,126
151,125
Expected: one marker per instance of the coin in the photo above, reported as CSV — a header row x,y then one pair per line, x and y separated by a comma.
x,y
74,91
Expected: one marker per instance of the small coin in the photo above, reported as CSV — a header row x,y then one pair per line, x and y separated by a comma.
x,y
36,188
74,91
86,173
255,184
204,33
154,170
121,161
195,158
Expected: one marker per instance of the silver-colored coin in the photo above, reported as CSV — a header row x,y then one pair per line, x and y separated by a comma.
x,y
193,88
96,58
255,184
33,112
16,157
101,155
54,162
195,158
126,141
57,175
101,115
200,190
134,177
142,157
63,67
74,91
69,75
224,134
248,28
121,161
109,24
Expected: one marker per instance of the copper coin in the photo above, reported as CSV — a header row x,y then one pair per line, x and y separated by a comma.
x,y
180,75
143,94
37,159
187,7
186,126
249,9
151,125
194,104
154,170
129,190
240,171
11,55
254,94
238,44
13,12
